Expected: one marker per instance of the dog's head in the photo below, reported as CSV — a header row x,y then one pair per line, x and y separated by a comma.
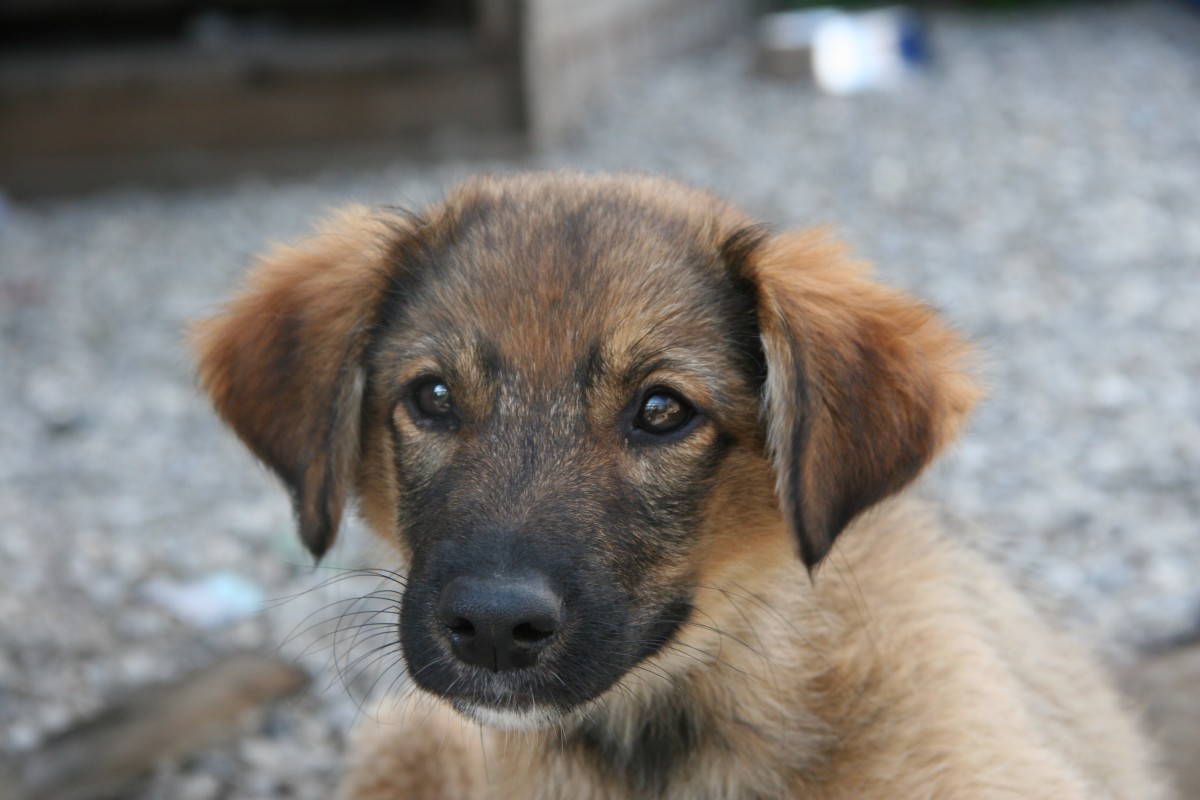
x,y
568,400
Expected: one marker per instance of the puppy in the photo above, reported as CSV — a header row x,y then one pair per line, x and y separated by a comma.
x,y
614,428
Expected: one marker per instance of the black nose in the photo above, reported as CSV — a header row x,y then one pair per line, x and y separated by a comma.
x,y
499,623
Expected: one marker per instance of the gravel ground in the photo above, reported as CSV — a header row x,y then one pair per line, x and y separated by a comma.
x,y
1041,185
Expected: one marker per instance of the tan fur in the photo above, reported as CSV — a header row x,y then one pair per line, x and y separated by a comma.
x,y
276,364
890,663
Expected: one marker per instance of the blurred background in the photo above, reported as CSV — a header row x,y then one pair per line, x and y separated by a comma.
x,y
1032,169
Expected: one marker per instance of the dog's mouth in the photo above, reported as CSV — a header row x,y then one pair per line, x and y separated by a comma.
x,y
541,674
511,719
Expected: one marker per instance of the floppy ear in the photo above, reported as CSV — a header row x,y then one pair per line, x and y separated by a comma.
x,y
864,384
282,363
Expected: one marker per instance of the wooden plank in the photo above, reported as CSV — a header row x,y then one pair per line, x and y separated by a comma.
x,y
1166,688
165,109
105,754
275,110
168,64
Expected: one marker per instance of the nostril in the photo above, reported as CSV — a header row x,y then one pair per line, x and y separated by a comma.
x,y
531,633
461,628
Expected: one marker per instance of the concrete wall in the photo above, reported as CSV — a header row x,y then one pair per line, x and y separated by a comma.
x,y
572,51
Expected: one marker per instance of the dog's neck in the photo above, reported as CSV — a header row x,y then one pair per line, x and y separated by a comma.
x,y
648,748
695,714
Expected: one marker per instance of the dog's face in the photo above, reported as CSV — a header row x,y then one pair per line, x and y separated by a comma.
x,y
568,401
564,390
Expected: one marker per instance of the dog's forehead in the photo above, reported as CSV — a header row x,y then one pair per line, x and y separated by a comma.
x,y
559,272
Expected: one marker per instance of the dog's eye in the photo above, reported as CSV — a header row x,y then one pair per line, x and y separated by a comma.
x,y
663,412
431,398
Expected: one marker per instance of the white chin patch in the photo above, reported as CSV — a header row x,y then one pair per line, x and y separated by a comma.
x,y
510,720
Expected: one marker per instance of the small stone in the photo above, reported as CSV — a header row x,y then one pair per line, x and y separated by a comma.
x,y
198,787
58,398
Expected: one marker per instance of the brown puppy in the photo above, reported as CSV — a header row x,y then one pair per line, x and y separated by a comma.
x,y
612,428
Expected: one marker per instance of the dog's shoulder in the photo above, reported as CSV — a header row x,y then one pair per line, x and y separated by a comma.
x,y
942,664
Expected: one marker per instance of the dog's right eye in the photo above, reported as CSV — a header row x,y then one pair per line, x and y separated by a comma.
x,y
663,412
431,399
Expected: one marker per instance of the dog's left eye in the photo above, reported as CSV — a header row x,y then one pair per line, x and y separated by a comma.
x,y
431,398
663,412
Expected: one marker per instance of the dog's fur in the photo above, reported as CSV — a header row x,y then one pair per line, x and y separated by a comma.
x,y
713,640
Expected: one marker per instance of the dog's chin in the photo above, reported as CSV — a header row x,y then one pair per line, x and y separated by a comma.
x,y
533,718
